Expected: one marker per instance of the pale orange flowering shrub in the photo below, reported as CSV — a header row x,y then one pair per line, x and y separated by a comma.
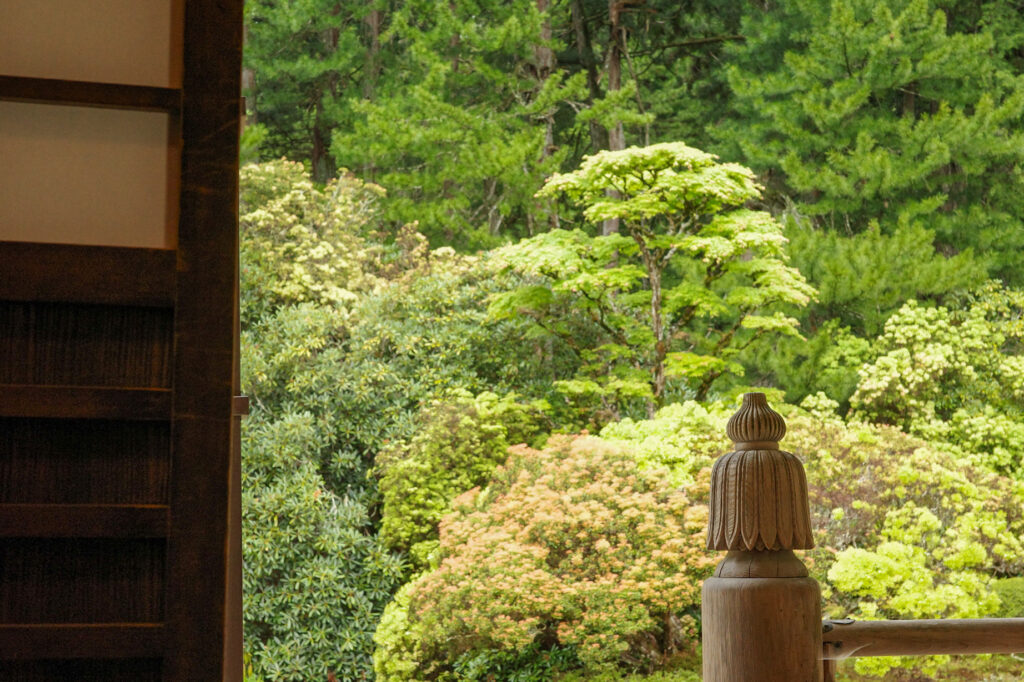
x,y
569,546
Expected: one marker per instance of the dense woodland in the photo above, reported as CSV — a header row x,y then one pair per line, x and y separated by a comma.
x,y
506,268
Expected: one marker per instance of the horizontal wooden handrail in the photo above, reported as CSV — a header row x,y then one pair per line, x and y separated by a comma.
x,y
846,639
84,402
84,520
74,273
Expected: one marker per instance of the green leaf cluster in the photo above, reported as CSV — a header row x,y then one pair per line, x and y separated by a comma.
x,y
455,130
568,549
333,379
692,277
302,242
457,445
883,113
953,375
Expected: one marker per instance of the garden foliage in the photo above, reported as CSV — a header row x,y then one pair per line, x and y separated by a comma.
x,y
954,375
883,113
912,531
405,517
458,444
570,546
379,364
692,276
338,353
315,577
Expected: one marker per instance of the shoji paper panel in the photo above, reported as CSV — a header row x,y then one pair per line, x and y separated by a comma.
x,y
79,175
136,42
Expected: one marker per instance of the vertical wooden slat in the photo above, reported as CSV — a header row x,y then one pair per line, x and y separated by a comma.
x,y
233,644
201,431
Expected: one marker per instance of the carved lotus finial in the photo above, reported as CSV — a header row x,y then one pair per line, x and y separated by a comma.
x,y
755,422
758,492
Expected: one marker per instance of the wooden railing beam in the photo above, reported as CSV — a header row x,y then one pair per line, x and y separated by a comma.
x,y
924,637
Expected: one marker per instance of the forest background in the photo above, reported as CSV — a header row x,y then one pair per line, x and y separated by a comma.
x,y
507,266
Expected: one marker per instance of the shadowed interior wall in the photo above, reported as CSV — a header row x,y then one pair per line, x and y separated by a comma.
x,y
118,340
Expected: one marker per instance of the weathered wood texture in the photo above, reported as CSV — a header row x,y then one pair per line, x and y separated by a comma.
x,y
60,641
128,670
81,580
80,402
758,493
204,342
89,461
761,630
760,614
85,345
83,520
86,274
924,637
778,564
116,409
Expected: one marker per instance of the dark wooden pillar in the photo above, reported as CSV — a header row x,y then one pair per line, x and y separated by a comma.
x,y
119,470
204,343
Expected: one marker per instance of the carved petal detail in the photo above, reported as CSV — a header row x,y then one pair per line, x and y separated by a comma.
x,y
759,502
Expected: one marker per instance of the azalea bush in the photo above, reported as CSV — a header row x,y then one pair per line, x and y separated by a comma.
x,y
905,528
954,375
458,444
683,438
342,343
302,242
568,547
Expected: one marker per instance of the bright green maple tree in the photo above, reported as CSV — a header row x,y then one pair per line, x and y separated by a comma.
x,y
692,277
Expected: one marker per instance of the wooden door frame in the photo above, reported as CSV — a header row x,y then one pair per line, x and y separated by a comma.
x,y
203,430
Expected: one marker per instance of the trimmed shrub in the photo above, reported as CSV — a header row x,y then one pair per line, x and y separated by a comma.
x,y
570,547
1011,597
458,444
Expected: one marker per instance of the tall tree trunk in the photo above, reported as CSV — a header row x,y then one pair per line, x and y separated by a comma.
x,y
613,65
909,100
454,41
544,58
373,20
585,49
371,72
248,84
658,378
319,157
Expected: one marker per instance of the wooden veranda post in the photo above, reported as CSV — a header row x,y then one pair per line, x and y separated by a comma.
x,y
761,613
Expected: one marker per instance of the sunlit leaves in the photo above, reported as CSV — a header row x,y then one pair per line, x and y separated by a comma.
x,y
672,289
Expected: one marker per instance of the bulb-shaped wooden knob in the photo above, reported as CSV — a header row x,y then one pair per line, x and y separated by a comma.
x,y
758,492
756,423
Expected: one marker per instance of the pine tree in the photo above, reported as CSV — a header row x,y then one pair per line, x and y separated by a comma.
x,y
458,130
302,55
867,111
